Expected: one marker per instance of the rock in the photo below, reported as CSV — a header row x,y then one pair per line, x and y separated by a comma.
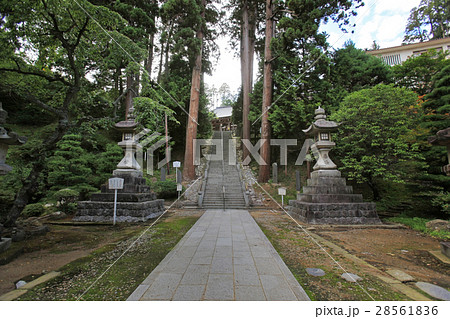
x,y
49,205
316,272
350,277
57,215
400,275
445,248
5,243
434,290
35,231
29,222
20,283
438,224
17,234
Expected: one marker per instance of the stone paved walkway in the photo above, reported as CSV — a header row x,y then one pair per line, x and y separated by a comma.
x,y
224,256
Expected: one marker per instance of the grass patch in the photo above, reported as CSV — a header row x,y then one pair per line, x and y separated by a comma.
x,y
126,274
419,224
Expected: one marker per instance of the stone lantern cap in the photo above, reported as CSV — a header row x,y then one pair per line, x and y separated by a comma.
x,y
321,124
442,137
8,138
126,126
11,138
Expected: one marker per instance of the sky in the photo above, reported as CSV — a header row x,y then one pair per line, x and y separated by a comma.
x,y
381,20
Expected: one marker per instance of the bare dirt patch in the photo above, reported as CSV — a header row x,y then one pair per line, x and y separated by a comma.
x,y
403,249
61,245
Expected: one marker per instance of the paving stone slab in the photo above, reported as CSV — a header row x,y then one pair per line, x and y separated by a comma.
x,y
400,275
351,277
189,293
163,287
434,290
137,294
221,265
249,293
220,287
316,272
276,288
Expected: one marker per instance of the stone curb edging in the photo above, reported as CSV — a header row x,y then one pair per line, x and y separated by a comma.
x,y
10,296
439,255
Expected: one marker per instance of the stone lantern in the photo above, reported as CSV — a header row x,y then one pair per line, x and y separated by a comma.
x,y
7,139
326,199
442,138
321,130
128,144
135,201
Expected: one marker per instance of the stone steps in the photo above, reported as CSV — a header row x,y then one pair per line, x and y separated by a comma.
x,y
223,176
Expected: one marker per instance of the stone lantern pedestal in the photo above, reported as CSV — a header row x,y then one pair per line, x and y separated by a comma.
x,y
135,202
327,199
7,138
442,138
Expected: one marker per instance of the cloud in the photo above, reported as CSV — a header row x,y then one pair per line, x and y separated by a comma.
x,y
383,21
392,7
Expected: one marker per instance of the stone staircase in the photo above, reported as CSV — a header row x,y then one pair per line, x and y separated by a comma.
x,y
223,185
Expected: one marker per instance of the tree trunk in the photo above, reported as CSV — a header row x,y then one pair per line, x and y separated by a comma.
x,y
120,82
149,61
375,190
246,76
191,131
33,180
166,128
264,170
161,55
129,96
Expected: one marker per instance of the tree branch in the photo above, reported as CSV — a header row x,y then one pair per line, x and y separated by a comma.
x,y
44,106
80,34
40,74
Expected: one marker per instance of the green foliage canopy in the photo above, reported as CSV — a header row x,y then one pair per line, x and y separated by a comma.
x,y
373,141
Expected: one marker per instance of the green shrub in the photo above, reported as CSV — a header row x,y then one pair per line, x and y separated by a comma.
x,y
165,189
69,166
67,199
33,210
442,201
420,224
6,201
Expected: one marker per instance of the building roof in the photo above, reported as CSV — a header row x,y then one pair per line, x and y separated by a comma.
x,y
223,111
412,46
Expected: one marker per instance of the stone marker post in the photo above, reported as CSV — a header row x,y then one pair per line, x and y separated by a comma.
x,y
298,185
163,174
179,176
275,173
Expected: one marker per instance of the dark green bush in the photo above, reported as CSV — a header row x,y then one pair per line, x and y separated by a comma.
x,y
33,210
6,201
67,199
165,189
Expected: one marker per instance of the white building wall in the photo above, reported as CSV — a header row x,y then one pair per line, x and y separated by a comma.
x,y
398,55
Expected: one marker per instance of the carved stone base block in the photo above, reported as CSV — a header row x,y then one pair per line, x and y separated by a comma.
x,y
92,211
135,202
328,200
